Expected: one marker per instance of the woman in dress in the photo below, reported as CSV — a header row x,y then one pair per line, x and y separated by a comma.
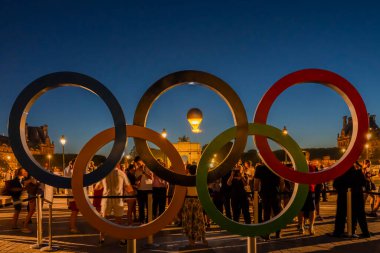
x,y
192,214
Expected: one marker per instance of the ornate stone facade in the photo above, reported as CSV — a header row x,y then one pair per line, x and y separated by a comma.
x,y
372,148
38,140
189,151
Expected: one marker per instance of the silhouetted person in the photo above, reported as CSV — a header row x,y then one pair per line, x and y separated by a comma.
x,y
357,183
341,186
226,192
239,197
354,179
269,186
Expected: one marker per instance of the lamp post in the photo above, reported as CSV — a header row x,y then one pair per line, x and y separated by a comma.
x,y
63,142
285,132
164,134
367,147
368,135
49,158
9,161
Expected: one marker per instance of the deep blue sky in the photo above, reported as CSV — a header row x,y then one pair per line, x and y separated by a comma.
x,y
128,45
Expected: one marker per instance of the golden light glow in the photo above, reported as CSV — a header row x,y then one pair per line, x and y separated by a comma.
x,y
195,117
366,146
63,140
49,156
369,135
8,157
164,133
285,131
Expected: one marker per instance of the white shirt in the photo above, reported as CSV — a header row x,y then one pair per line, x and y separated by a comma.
x,y
145,183
68,172
113,185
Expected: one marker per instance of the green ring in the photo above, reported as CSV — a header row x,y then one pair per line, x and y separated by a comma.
x,y
286,215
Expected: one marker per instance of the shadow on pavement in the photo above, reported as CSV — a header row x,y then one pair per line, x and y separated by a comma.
x,y
362,247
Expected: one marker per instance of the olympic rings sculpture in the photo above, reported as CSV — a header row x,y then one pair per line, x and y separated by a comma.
x,y
141,134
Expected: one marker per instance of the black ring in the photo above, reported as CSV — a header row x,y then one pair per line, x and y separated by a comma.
x,y
223,90
25,100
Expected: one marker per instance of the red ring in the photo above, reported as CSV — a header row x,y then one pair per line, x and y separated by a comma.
x,y
359,122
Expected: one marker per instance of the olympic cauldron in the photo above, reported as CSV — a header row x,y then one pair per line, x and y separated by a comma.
x,y
141,134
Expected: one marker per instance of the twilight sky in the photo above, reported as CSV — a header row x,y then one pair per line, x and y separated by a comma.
x,y
128,45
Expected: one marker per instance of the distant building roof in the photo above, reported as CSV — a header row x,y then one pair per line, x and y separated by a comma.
x,y
4,140
34,135
372,122
347,128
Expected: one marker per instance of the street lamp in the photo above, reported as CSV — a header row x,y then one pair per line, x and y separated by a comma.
x,y
9,160
164,133
49,157
368,135
63,142
195,117
367,147
285,132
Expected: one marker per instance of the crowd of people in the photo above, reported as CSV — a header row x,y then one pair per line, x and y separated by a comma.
x,y
231,194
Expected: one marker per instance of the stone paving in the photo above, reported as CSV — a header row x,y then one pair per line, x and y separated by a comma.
x,y
171,239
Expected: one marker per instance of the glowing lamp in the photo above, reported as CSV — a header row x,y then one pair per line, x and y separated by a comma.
x,y
285,131
164,133
63,140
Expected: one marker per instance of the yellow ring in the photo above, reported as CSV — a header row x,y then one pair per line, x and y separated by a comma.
x,y
89,212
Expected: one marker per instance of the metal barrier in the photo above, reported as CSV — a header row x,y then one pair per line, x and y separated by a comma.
x,y
50,247
16,202
150,216
349,213
39,244
39,241
131,247
131,244
252,241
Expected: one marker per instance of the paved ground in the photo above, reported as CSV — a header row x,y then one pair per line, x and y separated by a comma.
x,y
171,239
